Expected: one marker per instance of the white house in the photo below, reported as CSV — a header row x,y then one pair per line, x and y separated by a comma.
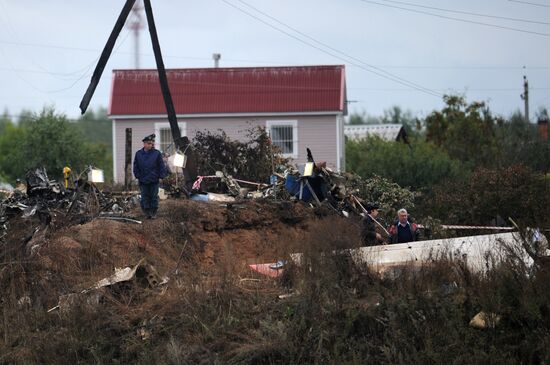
x,y
301,106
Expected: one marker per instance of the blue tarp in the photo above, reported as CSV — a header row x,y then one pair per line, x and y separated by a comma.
x,y
292,184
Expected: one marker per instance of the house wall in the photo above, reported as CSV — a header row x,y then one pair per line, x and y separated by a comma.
x,y
318,132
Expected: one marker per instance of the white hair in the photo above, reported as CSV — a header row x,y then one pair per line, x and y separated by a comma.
x,y
402,210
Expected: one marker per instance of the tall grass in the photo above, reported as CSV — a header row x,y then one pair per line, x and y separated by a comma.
x,y
339,312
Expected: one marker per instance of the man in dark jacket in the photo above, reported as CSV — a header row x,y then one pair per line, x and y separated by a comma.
x,y
149,168
403,230
368,231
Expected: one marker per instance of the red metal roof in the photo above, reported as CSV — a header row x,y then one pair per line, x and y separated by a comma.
x,y
231,90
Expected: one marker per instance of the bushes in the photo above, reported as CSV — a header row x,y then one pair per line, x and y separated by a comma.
x,y
418,166
470,166
254,159
516,192
51,141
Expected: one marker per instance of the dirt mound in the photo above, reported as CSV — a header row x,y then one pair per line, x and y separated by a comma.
x,y
196,238
53,277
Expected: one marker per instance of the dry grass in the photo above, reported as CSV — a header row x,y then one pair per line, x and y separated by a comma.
x,y
338,312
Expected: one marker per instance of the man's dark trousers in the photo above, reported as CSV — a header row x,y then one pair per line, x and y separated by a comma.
x,y
149,197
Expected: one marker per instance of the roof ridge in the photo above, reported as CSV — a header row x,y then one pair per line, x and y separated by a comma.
x,y
247,68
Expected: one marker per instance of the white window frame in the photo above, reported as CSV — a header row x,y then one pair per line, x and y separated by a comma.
x,y
164,125
284,123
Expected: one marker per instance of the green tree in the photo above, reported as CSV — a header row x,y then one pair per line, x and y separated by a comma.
x,y
49,140
465,131
390,196
5,120
25,117
515,191
420,166
363,118
396,115
11,160
519,143
96,127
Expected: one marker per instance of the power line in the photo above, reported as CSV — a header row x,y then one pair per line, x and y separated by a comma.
x,y
331,48
511,89
458,19
38,72
467,12
69,48
282,89
416,67
84,74
466,67
392,78
251,61
15,117
15,36
529,3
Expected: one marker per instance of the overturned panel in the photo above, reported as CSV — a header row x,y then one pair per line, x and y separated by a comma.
x,y
478,252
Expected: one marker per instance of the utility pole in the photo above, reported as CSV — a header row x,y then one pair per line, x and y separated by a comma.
x,y
525,97
136,24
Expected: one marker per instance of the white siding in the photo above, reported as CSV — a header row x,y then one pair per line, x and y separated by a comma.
x,y
140,129
318,132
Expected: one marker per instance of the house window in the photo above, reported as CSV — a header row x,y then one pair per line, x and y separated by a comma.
x,y
284,134
165,142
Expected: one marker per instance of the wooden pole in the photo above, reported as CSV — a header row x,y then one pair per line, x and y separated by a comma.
x,y
128,159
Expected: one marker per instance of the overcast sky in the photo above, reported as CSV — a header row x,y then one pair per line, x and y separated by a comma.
x,y
393,56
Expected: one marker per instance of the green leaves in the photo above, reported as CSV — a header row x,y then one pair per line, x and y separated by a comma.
x,y
464,131
48,139
420,166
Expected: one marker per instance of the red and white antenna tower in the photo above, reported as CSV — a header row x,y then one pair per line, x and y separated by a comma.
x,y
135,23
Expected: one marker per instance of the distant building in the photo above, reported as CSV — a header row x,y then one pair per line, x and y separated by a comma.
x,y
387,132
300,107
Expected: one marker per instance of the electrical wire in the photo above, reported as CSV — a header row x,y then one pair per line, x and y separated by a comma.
x,y
482,67
457,19
14,117
447,89
87,73
14,35
361,66
529,3
467,12
328,46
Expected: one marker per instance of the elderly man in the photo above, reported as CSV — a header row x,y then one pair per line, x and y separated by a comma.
x,y
403,229
149,168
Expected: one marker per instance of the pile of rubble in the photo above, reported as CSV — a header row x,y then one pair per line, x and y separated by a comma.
x,y
312,184
56,205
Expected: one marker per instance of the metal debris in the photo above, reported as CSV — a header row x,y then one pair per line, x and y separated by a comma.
x,y
52,203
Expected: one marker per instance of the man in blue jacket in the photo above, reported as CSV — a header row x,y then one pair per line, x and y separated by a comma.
x,y
149,168
404,229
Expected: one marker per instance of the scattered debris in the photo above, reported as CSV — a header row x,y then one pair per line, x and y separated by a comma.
x,y
125,219
267,270
143,274
286,296
55,204
278,265
475,251
484,320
